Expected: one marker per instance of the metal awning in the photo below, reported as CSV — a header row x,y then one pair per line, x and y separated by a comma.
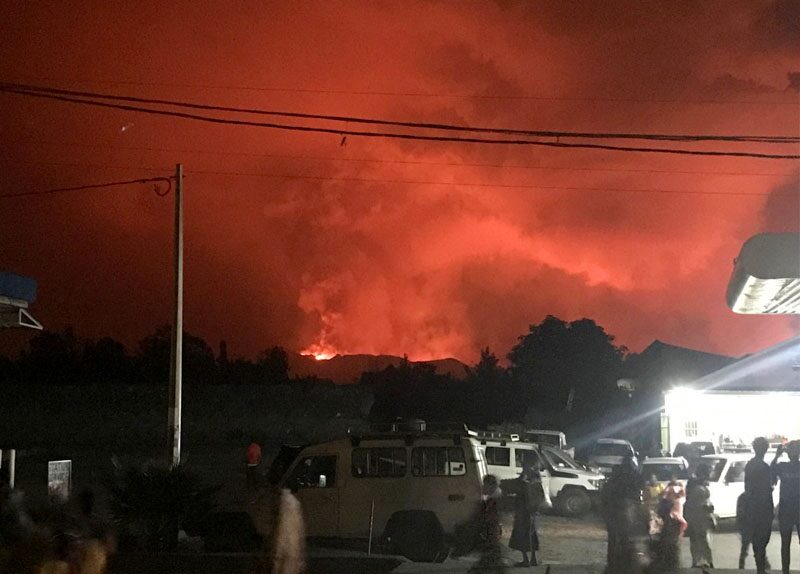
x,y
14,313
16,293
766,275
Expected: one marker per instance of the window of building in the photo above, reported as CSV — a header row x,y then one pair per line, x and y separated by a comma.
x,y
691,428
498,456
438,461
379,462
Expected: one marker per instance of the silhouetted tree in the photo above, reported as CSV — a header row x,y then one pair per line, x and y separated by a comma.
x,y
199,365
493,395
273,365
105,360
567,366
52,358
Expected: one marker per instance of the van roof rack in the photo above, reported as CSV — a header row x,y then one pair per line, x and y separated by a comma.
x,y
410,430
502,437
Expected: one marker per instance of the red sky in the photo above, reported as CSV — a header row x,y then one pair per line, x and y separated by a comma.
x,y
391,267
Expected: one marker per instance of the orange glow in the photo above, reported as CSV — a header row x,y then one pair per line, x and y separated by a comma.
x,y
320,352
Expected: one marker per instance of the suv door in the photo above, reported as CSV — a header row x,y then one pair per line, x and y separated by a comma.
x,y
314,482
726,489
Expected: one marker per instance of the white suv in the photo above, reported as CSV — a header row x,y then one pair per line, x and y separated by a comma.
x,y
569,486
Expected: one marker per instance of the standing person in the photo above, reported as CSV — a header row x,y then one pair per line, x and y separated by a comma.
x,y
745,534
253,461
789,505
530,495
700,516
758,491
621,498
489,529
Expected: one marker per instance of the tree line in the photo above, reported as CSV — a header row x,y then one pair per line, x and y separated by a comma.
x,y
557,373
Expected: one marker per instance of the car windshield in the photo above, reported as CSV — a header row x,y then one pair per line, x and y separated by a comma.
x,y
545,439
611,449
560,459
665,471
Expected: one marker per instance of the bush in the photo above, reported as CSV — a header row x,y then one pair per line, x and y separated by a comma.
x,y
151,504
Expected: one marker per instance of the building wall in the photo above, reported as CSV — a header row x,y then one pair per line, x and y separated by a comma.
x,y
739,417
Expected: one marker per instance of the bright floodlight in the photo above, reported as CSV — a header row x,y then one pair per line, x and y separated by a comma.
x,y
766,275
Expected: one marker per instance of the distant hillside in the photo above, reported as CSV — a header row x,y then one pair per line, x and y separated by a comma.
x,y
345,369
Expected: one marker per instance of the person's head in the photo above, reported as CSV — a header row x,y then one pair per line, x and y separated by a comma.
x,y
490,484
653,479
793,450
702,472
760,446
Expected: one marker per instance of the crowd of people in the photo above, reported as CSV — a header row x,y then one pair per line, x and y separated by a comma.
x,y
676,510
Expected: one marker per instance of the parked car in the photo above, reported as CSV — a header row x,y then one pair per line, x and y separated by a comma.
x,y
608,453
569,487
726,481
665,469
411,489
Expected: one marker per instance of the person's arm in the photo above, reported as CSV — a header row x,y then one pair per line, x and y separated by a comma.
x,y
774,466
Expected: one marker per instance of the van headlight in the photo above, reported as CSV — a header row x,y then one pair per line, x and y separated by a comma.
x,y
596,482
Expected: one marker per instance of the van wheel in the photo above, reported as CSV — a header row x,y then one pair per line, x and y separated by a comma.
x,y
574,502
416,534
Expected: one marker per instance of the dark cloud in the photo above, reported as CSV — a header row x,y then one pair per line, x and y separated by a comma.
x,y
362,259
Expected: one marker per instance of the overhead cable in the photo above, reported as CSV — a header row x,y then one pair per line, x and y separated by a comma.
x,y
160,193
390,135
406,124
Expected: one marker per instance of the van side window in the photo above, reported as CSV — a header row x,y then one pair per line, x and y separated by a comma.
x,y
379,462
313,472
438,461
498,456
523,455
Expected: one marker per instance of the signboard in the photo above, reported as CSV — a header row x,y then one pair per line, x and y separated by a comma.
x,y
59,479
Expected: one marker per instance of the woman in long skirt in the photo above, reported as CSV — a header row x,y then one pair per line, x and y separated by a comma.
x,y
524,537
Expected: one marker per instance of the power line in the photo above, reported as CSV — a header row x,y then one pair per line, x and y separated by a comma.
x,y
189,172
410,94
405,124
167,180
408,162
403,136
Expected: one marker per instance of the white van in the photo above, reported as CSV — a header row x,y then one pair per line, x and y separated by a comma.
x,y
569,486
408,489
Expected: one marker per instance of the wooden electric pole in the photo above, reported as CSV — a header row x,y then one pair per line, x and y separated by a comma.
x,y
176,352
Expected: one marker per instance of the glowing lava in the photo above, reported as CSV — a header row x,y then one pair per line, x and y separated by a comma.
x,y
320,352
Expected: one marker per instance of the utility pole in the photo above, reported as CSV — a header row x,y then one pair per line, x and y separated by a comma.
x,y
176,353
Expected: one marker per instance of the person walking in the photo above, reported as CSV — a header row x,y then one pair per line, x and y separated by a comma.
x,y
530,495
621,500
253,461
758,504
489,529
699,514
789,506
